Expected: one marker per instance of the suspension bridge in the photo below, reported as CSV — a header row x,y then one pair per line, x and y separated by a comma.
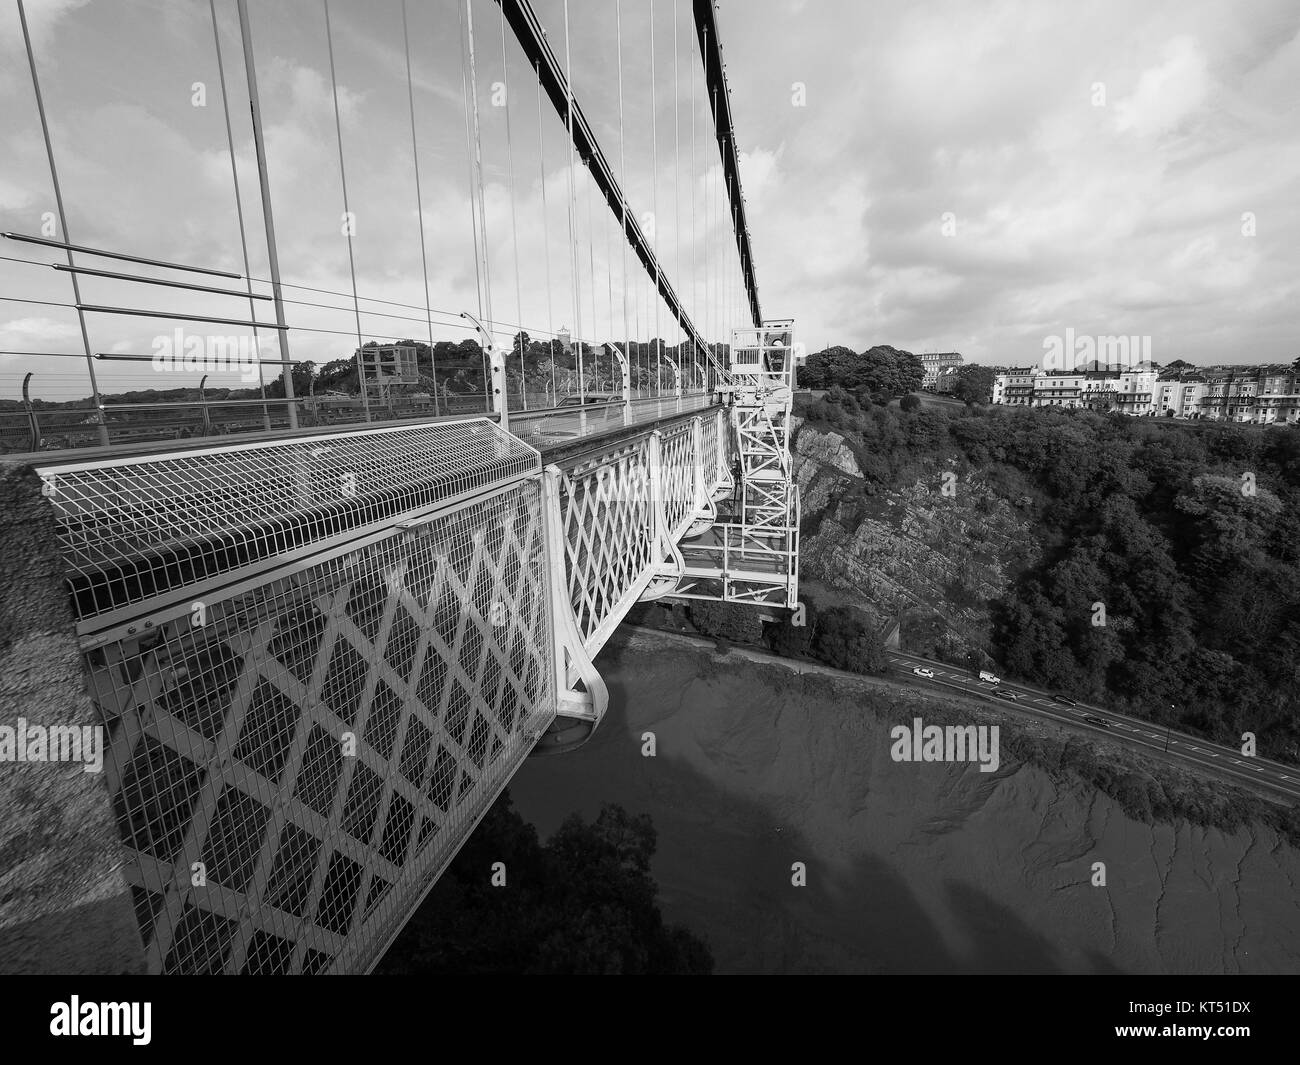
x,y
319,633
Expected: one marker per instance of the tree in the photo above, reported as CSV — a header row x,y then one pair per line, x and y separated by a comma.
x,y
1197,565
789,640
303,375
844,642
728,621
909,402
340,375
582,903
884,372
825,368
843,398
974,384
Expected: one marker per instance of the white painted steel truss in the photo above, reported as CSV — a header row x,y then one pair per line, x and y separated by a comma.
x,y
752,554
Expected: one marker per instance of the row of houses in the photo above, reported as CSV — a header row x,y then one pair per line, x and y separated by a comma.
x,y
1260,394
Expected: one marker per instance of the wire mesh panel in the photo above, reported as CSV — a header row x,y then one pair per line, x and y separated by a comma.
x,y
290,775
546,428
608,520
677,478
607,510
133,529
317,662
711,429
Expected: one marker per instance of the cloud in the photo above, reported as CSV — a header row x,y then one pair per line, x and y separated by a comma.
x,y
1123,218
43,19
36,334
1168,94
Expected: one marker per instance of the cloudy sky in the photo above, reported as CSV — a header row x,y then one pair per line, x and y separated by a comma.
x,y
964,176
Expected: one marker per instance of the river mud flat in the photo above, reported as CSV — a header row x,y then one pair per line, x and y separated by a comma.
x,y
762,778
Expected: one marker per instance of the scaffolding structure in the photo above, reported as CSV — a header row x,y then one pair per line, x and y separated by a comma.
x,y
386,365
750,553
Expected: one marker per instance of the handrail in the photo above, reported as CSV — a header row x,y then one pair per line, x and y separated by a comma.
x,y
117,255
118,276
182,317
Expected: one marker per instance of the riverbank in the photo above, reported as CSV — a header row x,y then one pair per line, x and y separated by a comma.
x,y
910,866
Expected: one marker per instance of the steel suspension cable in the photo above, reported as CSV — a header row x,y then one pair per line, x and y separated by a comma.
x,y
735,263
591,270
514,221
546,227
63,219
573,240
622,167
721,267
482,283
347,214
609,286
478,171
677,168
695,278
710,333
469,160
239,211
654,173
419,208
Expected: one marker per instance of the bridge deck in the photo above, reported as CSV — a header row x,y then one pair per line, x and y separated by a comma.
x,y
552,431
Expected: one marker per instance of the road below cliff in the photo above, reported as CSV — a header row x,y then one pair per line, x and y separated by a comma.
x,y
910,866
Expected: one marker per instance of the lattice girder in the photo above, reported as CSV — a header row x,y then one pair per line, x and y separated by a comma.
x,y
764,512
294,756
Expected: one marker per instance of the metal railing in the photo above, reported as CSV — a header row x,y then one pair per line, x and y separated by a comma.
x,y
37,428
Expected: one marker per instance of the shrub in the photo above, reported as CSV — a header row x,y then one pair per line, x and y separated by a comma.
x,y
844,642
730,621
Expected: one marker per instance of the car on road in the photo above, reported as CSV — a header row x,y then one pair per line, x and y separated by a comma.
x,y
1064,699
921,671
1006,693
989,678
1100,722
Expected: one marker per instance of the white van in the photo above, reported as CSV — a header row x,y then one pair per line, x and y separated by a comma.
x,y
989,678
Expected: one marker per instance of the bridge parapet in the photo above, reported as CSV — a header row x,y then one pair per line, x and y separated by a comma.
x,y
311,685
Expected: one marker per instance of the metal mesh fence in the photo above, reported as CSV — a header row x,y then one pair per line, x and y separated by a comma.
x,y
609,530
71,427
290,775
546,428
294,752
712,427
608,516
135,529
677,481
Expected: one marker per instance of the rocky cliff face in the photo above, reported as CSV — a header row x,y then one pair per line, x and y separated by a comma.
x,y
938,549
909,867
